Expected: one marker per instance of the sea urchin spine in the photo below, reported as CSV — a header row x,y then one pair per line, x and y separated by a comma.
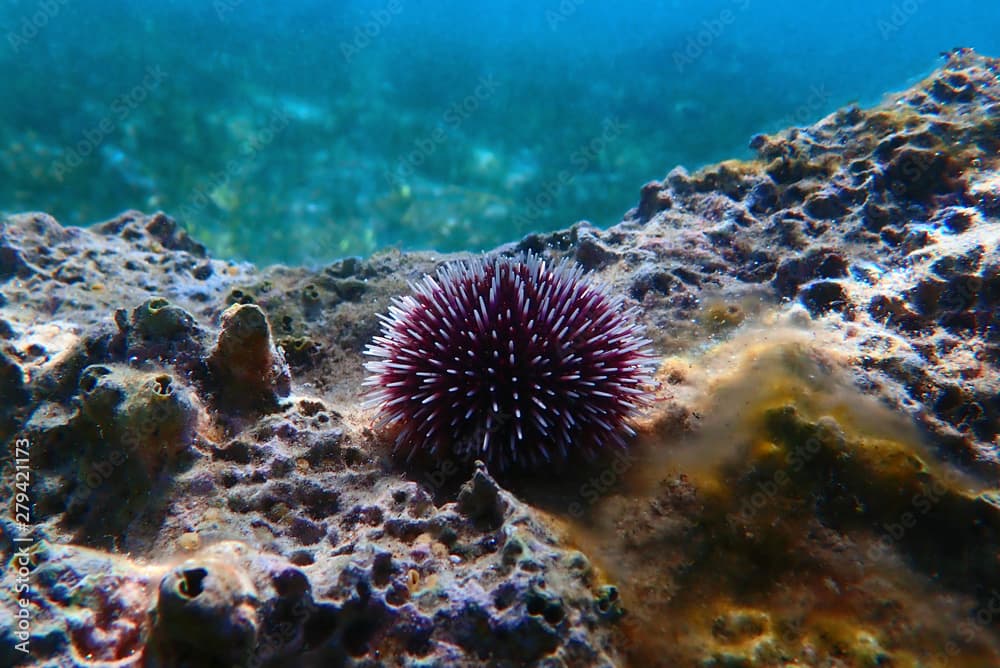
x,y
514,361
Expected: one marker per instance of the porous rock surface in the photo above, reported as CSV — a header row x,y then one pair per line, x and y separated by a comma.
x,y
207,489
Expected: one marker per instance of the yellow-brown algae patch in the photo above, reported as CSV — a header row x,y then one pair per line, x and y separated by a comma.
x,y
796,521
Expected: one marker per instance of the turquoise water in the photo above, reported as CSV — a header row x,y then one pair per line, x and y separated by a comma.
x,y
306,131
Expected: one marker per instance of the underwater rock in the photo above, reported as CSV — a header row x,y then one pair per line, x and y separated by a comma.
x,y
206,614
13,394
591,253
815,483
158,319
815,521
147,415
98,459
480,500
246,367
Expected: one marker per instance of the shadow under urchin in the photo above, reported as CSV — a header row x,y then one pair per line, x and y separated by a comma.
x,y
520,362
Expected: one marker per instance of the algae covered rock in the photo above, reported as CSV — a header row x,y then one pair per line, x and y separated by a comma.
x,y
157,318
247,369
206,614
142,414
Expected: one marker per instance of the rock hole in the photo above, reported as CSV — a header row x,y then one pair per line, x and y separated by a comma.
x,y
504,596
191,585
302,558
554,613
157,303
90,379
162,385
536,604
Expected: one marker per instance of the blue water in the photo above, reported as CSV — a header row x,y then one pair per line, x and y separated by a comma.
x,y
306,131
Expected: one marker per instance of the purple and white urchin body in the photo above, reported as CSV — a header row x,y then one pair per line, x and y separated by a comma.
x,y
515,361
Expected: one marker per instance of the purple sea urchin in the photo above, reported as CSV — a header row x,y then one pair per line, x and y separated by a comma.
x,y
514,361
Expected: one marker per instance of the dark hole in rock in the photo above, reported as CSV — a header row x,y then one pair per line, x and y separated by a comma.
x,y
356,636
353,456
202,272
291,582
302,558
90,379
607,599
191,585
306,532
237,452
229,478
382,569
448,537
489,544
959,221
397,595
950,398
554,613
157,303
535,604
824,296
321,624
319,502
163,385
237,296
504,596
309,407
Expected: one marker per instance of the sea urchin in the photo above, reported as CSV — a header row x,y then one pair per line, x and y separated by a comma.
x,y
514,361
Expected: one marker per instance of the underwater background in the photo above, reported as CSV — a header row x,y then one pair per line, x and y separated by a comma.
x,y
306,131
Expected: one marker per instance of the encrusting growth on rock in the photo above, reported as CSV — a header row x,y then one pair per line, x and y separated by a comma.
x,y
249,371
205,614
